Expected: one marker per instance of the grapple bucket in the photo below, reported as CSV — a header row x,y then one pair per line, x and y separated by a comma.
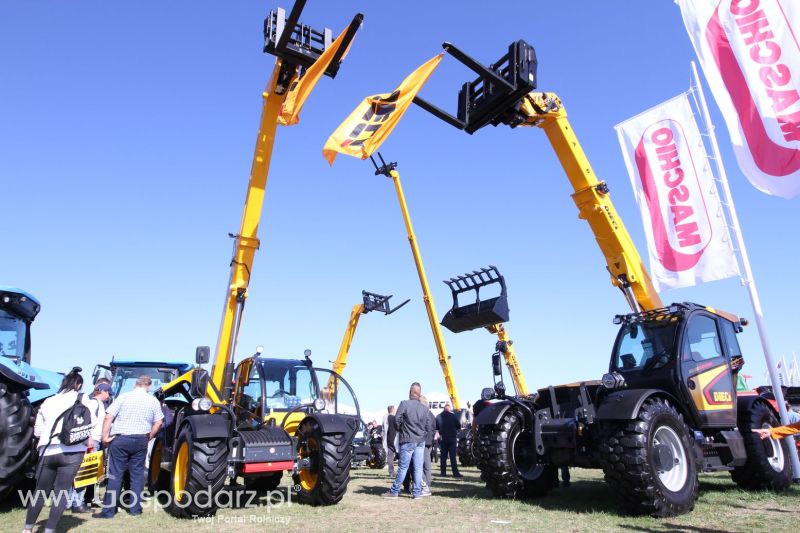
x,y
481,313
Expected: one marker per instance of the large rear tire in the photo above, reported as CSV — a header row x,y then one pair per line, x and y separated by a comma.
x,y
199,468
466,444
16,436
767,466
377,457
509,464
325,482
650,461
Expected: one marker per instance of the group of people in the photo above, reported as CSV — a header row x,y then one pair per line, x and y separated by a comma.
x,y
121,427
410,432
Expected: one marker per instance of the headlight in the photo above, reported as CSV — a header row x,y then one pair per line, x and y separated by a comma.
x,y
201,404
319,404
613,380
487,393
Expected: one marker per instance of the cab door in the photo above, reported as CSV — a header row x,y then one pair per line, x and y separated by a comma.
x,y
248,392
706,373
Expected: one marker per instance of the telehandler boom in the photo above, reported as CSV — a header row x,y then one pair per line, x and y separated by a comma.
x,y
277,414
667,409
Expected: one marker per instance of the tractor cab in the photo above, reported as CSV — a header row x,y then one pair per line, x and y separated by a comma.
x,y
283,391
123,374
687,350
17,311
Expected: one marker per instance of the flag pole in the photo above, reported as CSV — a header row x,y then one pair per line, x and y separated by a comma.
x,y
748,280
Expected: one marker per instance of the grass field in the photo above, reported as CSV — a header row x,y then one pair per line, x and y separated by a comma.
x,y
464,505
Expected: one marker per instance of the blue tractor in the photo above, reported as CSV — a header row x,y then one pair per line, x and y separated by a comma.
x,y
22,387
123,374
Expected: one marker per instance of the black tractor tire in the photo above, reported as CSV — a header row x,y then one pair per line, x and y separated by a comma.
x,y
510,468
203,473
157,477
264,483
16,436
330,453
631,452
377,457
767,466
466,445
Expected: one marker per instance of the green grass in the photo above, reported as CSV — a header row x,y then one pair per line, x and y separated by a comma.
x,y
465,505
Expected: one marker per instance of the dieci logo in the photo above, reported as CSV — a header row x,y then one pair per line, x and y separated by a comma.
x,y
378,113
678,214
758,56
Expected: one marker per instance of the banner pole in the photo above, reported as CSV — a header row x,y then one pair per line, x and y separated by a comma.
x,y
748,280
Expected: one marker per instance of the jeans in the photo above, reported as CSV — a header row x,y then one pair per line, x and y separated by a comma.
x,y
448,448
125,453
407,451
55,475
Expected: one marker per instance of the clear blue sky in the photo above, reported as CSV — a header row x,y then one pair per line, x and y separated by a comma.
x,y
126,137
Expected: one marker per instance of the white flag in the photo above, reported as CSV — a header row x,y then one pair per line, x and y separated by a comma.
x,y
750,54
687,237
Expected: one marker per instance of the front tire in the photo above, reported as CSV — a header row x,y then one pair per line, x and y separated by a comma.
x,y
198,474
16,436
767,466
649,462
466,443
325,482
509,465
157,478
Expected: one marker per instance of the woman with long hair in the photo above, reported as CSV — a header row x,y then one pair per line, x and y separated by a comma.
x,y
58,463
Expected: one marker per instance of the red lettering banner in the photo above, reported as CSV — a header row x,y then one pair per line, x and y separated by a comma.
x,y
687,236
750,54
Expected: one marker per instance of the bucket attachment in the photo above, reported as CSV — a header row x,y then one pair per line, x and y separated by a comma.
x,y
378,302
481,313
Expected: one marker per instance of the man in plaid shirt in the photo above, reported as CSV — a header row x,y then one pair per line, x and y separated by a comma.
x,y
131,421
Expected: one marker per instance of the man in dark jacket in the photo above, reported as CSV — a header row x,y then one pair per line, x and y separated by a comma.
x,y
413,424
448,424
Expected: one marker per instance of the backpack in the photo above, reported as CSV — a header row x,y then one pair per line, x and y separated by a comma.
x,y
76,426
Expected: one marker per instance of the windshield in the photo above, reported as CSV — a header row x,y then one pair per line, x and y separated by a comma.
x,y
645,345
290,385
125,377
12,335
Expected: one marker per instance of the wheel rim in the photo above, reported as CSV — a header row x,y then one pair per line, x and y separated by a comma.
x,y
524,463
308,478
774,451
675,478
155,463
181,471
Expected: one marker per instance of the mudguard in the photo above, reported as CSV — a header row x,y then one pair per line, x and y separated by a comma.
x,y
492,413
329,423
625,404
40,384
209,426
744,403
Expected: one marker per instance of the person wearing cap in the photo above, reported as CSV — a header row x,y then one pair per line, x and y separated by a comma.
x,y
97,401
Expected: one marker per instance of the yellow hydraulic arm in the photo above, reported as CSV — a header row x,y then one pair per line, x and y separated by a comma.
x,y
297,48
591,196
389,170
503,94
372,302
506,347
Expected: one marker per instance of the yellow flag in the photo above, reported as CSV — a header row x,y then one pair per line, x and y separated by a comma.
x,y
301,88
373,120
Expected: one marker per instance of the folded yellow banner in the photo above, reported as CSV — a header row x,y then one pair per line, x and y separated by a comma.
x,y
374,119
91,470
302,87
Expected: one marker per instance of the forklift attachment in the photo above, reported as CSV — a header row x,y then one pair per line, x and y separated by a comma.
x,y
302,45
481,313
494,97
378,302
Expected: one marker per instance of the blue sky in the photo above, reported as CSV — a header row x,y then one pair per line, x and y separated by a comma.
x,y
126,137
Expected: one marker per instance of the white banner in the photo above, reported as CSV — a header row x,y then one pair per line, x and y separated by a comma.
x,y
687,237
750,54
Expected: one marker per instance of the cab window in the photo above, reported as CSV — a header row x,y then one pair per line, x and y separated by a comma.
x,y
730,339
702,339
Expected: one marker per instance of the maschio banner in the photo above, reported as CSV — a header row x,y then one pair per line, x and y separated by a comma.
x,y
750,54
687,236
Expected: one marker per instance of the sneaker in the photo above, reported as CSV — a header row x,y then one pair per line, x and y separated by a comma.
x,y
457,475
426,492
389,494
76,509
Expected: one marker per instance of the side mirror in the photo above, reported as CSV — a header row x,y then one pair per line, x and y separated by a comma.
x,y
202,355
497,370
